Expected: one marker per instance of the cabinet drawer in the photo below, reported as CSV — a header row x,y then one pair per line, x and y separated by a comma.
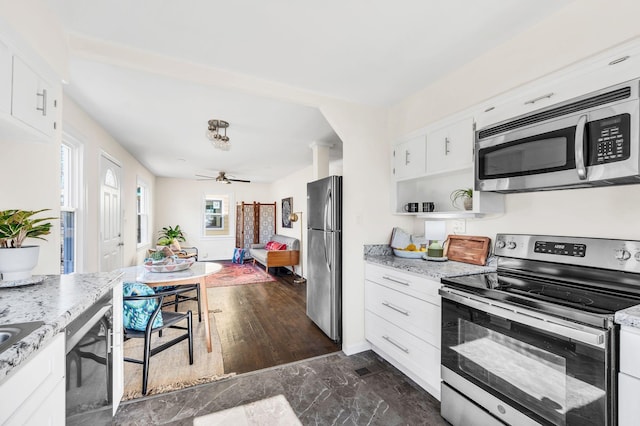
x,y
628,407
629,350
414,354
420,318
413,285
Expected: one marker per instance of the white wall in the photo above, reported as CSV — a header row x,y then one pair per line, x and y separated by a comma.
x,y
96,141
180,202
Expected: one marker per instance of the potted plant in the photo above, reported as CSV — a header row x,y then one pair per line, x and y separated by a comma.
x,y
171,236
17,260
464,194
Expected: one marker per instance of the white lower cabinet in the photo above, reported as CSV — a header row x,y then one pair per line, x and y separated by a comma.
x,y
35,393
629,377
402,322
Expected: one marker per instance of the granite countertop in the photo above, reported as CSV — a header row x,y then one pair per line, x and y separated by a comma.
x,y
383,255
57,301
629,317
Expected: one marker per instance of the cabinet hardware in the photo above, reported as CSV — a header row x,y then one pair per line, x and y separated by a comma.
x,y
44,102
446,146
395,308
397,345
539,98
395,280
407,157
617,61
109,341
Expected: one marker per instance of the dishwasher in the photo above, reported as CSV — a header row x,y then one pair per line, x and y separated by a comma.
x,y
89,365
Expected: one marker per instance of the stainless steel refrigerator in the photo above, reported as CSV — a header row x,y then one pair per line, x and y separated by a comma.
x,y
324,255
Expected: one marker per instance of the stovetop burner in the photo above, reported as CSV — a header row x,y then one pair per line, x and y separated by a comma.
x,y
544,274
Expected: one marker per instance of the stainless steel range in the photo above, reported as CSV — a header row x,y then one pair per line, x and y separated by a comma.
x,y
535,342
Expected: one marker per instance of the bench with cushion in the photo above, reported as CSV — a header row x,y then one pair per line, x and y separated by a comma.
x,y
272,258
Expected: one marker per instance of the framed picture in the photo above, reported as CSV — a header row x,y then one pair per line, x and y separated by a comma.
x,y
287,209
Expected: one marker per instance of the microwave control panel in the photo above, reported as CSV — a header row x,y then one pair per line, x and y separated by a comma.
x,y
609,139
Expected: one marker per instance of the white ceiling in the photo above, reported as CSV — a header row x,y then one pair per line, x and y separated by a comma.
x,y
374,52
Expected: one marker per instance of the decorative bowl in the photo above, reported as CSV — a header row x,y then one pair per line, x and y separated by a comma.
x,y
408,254
168,264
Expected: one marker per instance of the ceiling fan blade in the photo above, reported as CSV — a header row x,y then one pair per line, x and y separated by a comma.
x,y
205,177
239,180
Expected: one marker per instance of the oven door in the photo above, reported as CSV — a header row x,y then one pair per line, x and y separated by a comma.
x,y
552,371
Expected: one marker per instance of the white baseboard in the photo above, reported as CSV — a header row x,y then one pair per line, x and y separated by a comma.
x,y
356,348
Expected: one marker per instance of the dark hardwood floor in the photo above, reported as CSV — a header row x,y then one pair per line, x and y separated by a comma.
x,y
264,325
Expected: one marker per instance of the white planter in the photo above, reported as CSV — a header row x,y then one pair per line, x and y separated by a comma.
x,y
17,263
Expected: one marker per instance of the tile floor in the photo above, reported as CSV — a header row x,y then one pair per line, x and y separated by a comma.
x,y
361,389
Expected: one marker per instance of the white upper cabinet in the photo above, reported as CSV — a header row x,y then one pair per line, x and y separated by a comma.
x,y
33,99
451,147
5,79
409,158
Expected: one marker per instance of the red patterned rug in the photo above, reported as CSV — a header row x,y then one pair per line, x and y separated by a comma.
x,y
238,274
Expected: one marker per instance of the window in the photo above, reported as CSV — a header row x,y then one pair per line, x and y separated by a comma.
x,y
142,203
216,218
69,203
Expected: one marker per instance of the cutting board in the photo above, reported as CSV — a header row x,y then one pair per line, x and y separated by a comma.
x,y
467,249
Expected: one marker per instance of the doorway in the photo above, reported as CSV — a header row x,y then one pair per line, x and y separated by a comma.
x,y
111,255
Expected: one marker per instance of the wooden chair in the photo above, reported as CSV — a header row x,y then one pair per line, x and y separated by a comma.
x,y
169,319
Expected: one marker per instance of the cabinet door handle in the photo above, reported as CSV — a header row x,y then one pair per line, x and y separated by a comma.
x,y
539,98
446,146
395,308
44,102
395,280
407,159
397,345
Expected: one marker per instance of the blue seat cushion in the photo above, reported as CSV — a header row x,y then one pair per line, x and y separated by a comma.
x,y
138,312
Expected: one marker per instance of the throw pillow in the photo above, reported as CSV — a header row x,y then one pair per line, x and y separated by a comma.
x,y
137,313
238,256
269,245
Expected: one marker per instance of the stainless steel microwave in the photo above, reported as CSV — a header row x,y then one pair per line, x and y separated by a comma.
x,y
592,140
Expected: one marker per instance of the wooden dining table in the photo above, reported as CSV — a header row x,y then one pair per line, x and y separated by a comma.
x,y
196,274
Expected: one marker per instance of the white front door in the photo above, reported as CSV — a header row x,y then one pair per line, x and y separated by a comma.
x,y
111,256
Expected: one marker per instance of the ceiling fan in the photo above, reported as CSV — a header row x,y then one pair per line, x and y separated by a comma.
x,y
222,177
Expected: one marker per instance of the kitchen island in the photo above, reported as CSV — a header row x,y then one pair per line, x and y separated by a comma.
x,y
57,301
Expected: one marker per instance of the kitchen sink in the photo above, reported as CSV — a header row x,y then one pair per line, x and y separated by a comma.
x,y
11,333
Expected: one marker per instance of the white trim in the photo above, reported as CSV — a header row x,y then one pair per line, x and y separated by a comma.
x,y
356,347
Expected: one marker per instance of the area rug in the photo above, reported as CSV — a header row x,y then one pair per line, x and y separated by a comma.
x,y
238,274
274,411
170,370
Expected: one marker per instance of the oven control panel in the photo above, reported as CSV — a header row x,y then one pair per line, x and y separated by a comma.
x,y
561,249
621,255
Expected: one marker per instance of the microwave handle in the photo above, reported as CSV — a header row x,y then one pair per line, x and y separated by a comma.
x,y
579,147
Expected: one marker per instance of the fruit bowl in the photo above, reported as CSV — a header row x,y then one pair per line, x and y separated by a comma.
x,y
408,254
168,264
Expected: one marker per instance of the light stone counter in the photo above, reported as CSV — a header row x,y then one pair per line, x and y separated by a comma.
x,y
383,255
57,301
629,317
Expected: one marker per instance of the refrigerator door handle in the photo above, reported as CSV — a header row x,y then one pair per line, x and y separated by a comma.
x,y
327,258
327,210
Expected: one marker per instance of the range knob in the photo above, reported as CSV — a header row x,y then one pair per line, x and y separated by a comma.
x,y
623,254
500,244
638,256
511,245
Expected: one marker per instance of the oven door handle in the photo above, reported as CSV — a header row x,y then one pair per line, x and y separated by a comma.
x,y
585,335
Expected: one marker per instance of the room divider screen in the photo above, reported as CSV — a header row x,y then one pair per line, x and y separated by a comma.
x,y
255,223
